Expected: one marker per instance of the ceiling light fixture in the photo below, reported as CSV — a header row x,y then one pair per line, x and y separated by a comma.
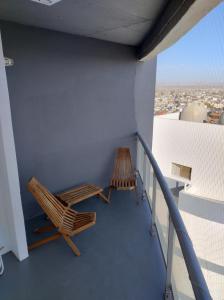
x,y
46,2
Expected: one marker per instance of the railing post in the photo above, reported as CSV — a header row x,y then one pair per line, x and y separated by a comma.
x,y
168,291
1,263
153,229
137,152
144,176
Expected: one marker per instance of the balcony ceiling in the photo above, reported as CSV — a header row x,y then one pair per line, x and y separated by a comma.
x,y
120,21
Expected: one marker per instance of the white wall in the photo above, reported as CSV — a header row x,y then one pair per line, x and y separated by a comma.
x,y
197,145
12,229
200,146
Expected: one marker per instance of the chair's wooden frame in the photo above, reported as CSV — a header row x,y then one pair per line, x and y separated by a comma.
x,y
124,176
67,221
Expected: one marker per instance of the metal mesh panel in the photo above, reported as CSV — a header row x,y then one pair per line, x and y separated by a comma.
x,y
140,158
181,285
149,181
162,219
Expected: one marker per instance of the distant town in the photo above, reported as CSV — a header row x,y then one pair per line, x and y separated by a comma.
x,y
174,99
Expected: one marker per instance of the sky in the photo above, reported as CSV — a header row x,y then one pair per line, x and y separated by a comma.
x,y
198,57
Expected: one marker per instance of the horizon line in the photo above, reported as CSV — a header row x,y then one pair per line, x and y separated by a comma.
x,y
190,85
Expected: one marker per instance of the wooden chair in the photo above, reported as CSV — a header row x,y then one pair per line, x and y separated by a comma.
x,y
67,221
123,177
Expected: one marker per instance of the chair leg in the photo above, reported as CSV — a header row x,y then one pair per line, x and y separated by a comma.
x,y
109,194
46,217
44,229
103,197
71,244
44,241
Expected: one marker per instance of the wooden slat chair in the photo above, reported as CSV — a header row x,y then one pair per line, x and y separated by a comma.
x,y
123,177
67,221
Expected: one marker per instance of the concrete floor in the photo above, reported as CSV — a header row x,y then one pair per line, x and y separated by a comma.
x,y
119,259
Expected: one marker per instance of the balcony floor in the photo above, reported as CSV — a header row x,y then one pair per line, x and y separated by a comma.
x,y
119,259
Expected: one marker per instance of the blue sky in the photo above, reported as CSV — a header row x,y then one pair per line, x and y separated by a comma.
x,y
198,57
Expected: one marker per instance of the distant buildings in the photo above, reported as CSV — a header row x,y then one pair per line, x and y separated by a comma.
x,y
174,99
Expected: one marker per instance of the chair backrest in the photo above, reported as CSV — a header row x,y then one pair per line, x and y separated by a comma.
x,y
53,208
123,173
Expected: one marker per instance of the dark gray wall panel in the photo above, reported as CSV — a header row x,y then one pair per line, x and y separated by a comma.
x,y
144,98
72,102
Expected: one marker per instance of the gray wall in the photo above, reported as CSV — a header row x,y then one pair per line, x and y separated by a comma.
x,y
145,82
73,102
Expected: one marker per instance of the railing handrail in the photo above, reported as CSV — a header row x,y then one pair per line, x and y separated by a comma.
x,y
196,277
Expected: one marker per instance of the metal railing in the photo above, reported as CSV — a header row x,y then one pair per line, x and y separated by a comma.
x,y
1,263
179,255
